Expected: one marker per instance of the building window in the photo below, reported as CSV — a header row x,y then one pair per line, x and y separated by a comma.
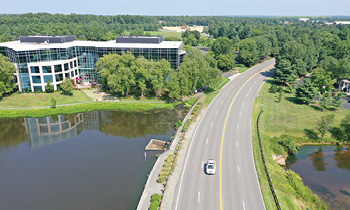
x,y
48,77
66,68
38,88
47,69
72,74
76,72
58,68
71,64
36,79
75,63
59,77
66,75
34,69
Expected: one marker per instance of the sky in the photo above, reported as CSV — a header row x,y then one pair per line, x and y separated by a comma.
x,y
181,7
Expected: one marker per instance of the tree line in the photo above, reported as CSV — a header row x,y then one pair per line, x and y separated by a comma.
x,y
125,74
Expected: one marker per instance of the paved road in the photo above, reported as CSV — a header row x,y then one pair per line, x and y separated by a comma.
x,y
224,131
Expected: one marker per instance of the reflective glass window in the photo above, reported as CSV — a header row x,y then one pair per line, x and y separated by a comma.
x,y
36,79
48,77
46,69
58,68
59,77
66,68
34,69
38,88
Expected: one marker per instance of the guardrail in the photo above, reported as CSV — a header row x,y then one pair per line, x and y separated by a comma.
x,y
278,204
178,148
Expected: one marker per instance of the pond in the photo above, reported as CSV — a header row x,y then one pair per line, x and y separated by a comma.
x,y
93,160
326,170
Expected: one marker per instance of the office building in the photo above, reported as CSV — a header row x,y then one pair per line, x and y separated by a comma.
x,y
42,58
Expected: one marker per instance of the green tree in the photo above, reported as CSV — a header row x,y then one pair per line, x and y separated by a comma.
x,y
53,103
222,45
225,61
143,68
280,94
247,52
323,125
345,127
158,75
288,143
7,70
322,79
67,86
49,87
284,72
307,92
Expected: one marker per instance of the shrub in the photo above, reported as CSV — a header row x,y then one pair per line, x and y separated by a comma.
x,y
186,125
49,87
155,201
161,179
178,124
273,89
289,144
53,102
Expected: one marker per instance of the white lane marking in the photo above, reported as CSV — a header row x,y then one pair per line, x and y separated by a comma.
x,y
250,88
202,165
206,141
237,144
233,87
243,205
217,111
238,168
212,124
222,101
255,82
187,156
243,104
237,126
199,196
227,94
240,114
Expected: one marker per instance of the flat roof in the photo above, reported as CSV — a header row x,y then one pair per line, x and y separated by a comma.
x,y
26,46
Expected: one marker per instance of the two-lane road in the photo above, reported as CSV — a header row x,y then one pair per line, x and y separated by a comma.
x,y
224,133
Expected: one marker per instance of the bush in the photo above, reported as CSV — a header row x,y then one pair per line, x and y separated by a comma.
x,y
155,201
49,87
289,144
195,110
178,124
161,179
273,89
186,125
53,102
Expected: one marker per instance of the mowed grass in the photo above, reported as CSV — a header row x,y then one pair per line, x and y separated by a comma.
x,y
291,117
23,100
87,107
165,33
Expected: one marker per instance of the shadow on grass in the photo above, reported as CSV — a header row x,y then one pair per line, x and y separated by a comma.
x,y
336,133
311,134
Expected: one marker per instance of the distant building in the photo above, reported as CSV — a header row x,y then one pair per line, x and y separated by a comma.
x,y
342,22
303,20
42,58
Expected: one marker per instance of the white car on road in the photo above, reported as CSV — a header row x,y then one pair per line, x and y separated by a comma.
x,y
210,167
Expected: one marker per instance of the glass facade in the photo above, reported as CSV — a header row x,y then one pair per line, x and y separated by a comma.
x,y
37,66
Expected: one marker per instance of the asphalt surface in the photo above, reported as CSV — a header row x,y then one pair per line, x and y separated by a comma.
x,y
224,131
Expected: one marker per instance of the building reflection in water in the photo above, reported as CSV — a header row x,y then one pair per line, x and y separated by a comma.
x,y
48,130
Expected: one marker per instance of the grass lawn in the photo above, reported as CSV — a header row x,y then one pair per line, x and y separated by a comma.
x,y
84,108
165,33
20,100
290,117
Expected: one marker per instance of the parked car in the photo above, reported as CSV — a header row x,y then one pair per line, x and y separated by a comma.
x,y
210,167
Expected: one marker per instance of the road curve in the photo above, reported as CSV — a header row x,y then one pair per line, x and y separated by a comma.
x,y
224,133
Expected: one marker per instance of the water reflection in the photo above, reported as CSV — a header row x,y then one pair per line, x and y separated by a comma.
x,y
51,129
326,170
318,160
93,160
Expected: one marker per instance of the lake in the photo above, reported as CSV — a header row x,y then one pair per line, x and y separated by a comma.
x,y
326,170
93,160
